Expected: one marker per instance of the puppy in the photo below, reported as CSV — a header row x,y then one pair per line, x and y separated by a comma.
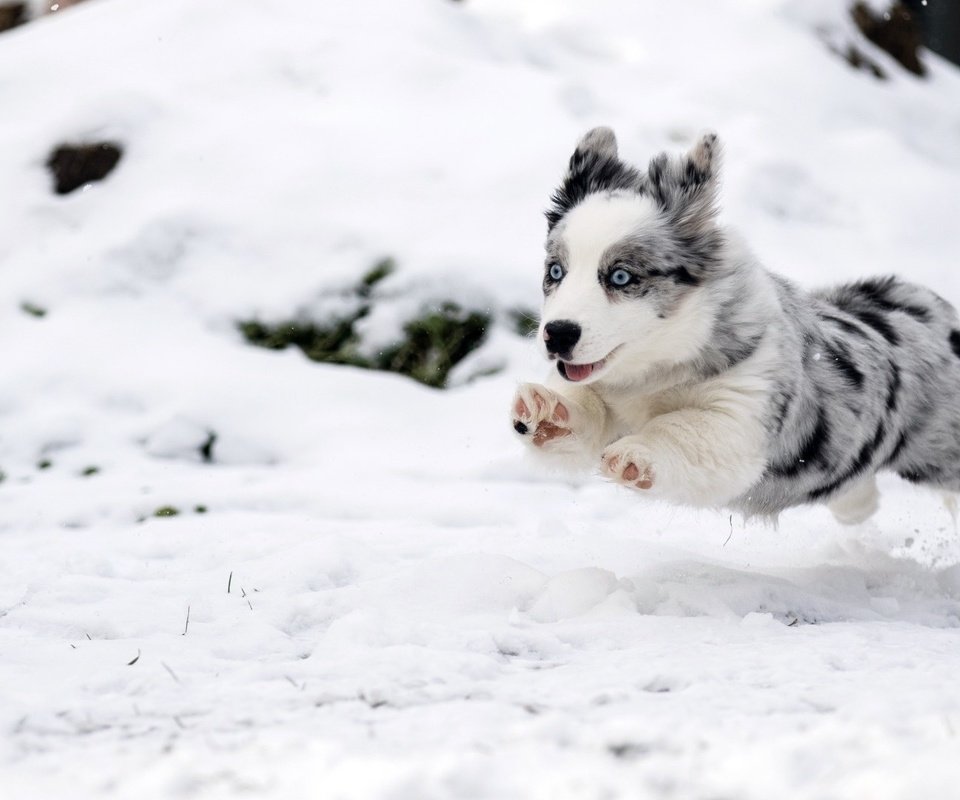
x,y
688,372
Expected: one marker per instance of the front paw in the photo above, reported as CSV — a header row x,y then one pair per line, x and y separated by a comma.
x,y
628,463
539,414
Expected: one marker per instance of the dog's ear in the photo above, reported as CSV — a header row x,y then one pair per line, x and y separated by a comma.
x,y
599,141
594,167
686,188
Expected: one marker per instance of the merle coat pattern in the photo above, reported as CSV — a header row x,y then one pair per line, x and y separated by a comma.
x,y
687,371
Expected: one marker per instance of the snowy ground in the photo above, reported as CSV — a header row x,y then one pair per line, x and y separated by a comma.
x,y
413,610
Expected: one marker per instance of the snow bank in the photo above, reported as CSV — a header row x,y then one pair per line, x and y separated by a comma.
x,y
413,610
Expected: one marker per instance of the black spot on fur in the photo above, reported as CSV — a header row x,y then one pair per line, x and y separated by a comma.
x,y
924,474
656,174
682,276
879,292
879,323
897,449
860,463
955,342
590,172
840,357
743,350
693,176
811,451
519,427
847,325
781,408
893,387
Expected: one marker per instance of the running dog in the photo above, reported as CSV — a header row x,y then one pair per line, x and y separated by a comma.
x,y
688,372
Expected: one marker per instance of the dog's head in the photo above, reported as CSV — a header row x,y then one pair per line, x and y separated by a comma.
x,y
628,254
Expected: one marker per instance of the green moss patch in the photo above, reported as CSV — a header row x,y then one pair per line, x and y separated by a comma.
x,y
431,345
33,309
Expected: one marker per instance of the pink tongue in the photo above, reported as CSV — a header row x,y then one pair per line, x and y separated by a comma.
x,y
577,372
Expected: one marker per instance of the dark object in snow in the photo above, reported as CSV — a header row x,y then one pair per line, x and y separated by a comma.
x,y
432,344
858,60
166,511
895,31
90,471
45,463
206,449
76,165
33,309
12,15
200,510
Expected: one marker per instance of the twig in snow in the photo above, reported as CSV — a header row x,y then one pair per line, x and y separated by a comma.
x,y
229,581
730,535
172,673
135,660
187,625
300,686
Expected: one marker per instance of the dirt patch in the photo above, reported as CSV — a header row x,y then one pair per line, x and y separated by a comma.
x,y
895,31
75,165
12,15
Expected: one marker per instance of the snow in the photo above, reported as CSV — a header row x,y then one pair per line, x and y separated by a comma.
x,y
414,609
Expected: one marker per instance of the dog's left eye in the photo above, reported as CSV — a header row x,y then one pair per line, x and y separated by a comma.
x,y
620,277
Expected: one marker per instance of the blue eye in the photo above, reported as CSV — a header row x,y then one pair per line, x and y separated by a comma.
x,y
620,277
555,272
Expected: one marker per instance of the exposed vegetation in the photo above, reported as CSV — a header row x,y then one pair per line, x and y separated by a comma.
x,y
432,344
166,511
33,309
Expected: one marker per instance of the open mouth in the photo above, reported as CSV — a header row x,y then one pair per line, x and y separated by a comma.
x,y
579,372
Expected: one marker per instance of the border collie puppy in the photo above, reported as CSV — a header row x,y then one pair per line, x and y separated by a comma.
x,y
686,371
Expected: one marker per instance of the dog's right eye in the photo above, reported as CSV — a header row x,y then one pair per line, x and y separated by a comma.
x,y
555,271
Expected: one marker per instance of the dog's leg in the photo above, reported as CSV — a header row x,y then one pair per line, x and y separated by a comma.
x,y
693,456
858,503
569,424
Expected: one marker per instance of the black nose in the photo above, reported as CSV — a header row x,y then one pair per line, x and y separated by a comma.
x,y
560,336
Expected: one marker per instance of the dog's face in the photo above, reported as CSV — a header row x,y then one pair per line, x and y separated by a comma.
x,y
627,257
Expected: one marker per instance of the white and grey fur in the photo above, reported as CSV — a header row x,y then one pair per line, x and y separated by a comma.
x,y
715,382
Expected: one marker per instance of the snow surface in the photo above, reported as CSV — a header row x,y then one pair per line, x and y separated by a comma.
x,y
414,610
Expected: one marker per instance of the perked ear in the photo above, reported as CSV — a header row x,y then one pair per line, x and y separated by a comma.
x,y
601,141
686,188
594,167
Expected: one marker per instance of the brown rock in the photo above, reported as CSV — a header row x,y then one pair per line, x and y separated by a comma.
x,y
75,165
11,15
895,31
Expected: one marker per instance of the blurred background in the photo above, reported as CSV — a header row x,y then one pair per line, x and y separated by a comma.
x,y
268,272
